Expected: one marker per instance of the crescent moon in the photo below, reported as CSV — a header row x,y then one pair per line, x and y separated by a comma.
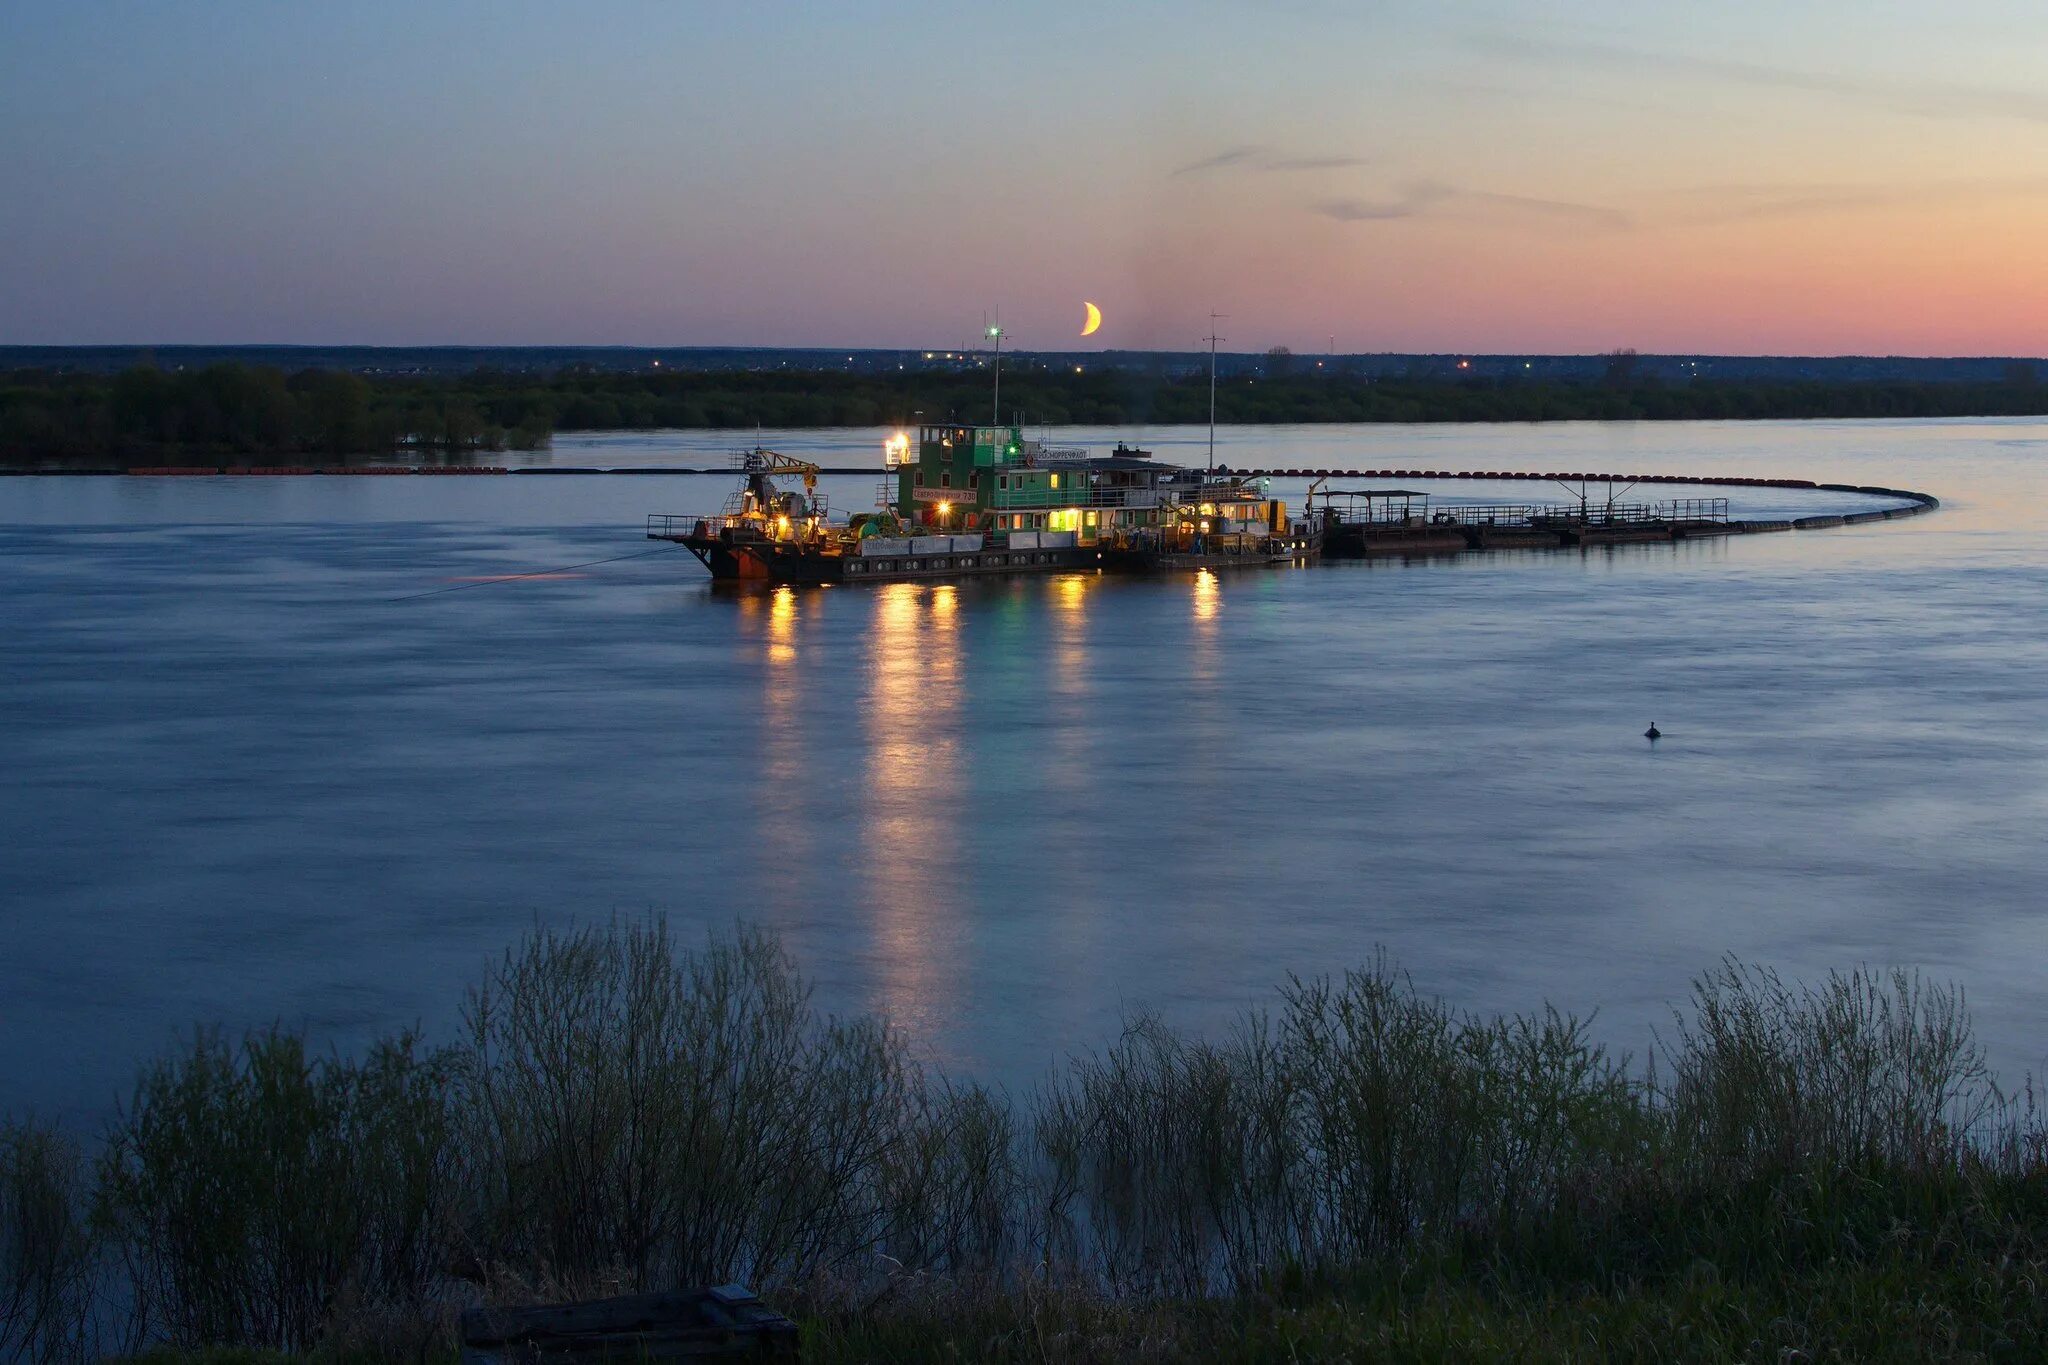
x,y
1094,319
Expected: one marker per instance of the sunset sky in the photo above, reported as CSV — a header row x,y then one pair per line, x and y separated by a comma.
x,y
1828,176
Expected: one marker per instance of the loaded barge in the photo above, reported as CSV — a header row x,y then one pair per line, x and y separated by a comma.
x,y
970,499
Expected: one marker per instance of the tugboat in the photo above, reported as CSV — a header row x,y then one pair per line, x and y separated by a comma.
x,y
972,499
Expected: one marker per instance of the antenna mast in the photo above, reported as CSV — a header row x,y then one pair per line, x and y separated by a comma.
x,y
995,333
1212,339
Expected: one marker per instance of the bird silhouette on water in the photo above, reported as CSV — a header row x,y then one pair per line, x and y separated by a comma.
x,y
1653,734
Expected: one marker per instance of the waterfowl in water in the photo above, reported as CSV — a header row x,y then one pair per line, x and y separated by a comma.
x,y
1653,734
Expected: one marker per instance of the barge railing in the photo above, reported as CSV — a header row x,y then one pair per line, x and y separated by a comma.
x,y
1634,513
683,525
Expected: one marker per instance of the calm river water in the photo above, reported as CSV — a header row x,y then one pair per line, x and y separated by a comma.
x,y
243,783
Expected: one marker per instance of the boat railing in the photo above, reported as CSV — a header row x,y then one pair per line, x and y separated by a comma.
x,y
1695,509
1053,455
1487,513
1636,513
680,525
1108,495
1526,514
1376,514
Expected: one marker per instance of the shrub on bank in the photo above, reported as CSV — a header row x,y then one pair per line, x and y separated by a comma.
x,y
1361,1167
46,1246
250,1190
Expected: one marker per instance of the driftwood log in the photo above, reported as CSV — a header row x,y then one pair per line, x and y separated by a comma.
x,y
726,1322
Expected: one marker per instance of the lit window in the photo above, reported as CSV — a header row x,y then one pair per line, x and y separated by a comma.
x,y
1055,480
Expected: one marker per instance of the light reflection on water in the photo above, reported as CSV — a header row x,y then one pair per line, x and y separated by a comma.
x,y
785,840
910,800
243,784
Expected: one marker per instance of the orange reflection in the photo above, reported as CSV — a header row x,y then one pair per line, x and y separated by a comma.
x,y
911,797
785,833
1070,632
1208,604
782,627
1069,763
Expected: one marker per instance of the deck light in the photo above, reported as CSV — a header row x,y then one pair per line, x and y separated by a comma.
x,y
945,508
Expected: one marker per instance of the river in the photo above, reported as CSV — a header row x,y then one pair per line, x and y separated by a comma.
x,y
245,784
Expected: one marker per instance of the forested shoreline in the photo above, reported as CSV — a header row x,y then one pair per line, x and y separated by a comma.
x,y
147,415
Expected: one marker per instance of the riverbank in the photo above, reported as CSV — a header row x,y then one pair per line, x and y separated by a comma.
x,y
1357,1168
238,414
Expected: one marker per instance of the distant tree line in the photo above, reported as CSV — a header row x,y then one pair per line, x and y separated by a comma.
x,y
150,415
146,414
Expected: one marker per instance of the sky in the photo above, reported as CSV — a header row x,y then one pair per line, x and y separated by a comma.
x,y
1793,177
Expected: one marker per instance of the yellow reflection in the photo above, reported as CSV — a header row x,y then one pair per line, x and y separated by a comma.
x,y
910,798
782,627
1070,631
785,834
1208,602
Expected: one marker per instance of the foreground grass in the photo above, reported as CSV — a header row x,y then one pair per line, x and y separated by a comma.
x,y
1848,1314
1909,1305
1880,1266
1824,1172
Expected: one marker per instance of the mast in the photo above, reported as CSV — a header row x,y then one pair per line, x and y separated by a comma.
x,y
1212,339
995,333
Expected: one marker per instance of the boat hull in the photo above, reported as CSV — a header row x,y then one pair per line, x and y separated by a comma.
x,y
766,562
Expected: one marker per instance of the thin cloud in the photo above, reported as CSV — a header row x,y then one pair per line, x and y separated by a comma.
x,y
1264,160
1716,204
1366,210
1235,156
1429,198
1312,163
1899,96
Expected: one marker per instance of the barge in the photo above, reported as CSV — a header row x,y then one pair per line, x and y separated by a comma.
x,y
1363,523
968,499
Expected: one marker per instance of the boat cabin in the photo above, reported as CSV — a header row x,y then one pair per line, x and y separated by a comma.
x,y
960,477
